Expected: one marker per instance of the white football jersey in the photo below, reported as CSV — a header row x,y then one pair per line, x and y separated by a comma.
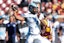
x,y
33,23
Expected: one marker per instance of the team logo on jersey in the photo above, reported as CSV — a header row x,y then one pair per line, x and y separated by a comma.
x,y
14,25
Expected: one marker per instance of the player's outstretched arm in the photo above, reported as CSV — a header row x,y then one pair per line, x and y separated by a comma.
x,y
18,16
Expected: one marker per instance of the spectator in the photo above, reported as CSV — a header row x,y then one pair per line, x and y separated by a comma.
x,y
6,17
54,32
11,27
59,32
43,7
62,12
23,29
23,3
3,32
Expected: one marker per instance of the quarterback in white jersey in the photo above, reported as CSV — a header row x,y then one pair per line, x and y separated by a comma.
x,y
34,25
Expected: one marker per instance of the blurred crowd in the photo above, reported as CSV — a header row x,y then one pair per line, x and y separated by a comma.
x,y
13,30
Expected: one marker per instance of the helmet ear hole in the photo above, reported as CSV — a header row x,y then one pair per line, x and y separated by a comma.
x,y
31,9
